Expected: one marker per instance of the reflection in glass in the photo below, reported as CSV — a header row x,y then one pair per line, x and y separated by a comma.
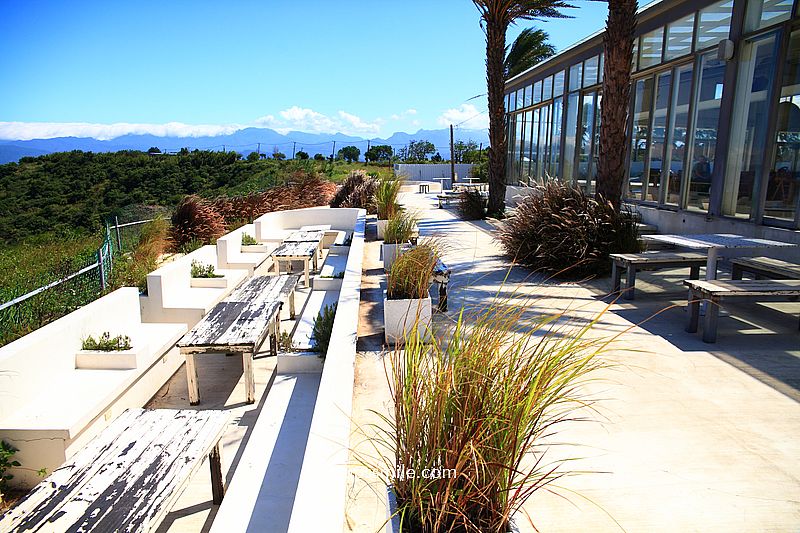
x,y
679,122
714,24
544,141
555,146
600,69
534,154
575,72
510,130
547,88
783,188
558,84
704,143
527,99
764,13
596,143
587,135
679,38
518,148
650,52
642,103
568,164
525,161
635,58
657,137
520,98
537,92
590,71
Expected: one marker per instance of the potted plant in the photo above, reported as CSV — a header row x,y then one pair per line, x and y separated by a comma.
x,y
472,406
400,229
407,304
204,276
386,194
106,352
251,245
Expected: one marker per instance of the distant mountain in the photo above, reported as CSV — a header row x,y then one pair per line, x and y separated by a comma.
x,y
243,141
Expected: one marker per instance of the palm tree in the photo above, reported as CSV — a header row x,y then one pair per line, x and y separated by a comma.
x,y
529,48
618,50
496,17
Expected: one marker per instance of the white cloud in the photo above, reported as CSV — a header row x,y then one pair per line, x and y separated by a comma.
x,y
467,115
307,120
23,131
403,114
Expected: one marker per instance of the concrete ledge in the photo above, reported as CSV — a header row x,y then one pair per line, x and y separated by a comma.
x,y
300,363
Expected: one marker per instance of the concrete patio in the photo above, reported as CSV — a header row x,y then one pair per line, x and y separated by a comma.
x,y
686,436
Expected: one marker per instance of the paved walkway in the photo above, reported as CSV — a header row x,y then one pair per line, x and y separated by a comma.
x,y
682,440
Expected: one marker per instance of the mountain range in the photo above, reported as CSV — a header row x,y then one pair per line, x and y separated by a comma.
x,y
243,141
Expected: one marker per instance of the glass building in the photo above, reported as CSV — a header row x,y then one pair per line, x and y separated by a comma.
x,y
714,116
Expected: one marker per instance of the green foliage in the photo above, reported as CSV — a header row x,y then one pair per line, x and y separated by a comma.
x,y
131,269
106,343
529,48
7,461
202,270
411,273
279,156
381,152
400,228
319,157
563,231
285,344
419,150
196,218
386,194
323,328
248,240
436,158
301,155
349,154
471,205
253,156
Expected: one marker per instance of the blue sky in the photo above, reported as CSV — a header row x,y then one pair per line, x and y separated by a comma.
x,y
368,68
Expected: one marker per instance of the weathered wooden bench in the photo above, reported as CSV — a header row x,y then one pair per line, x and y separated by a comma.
x,y
717,290
633,263
445,198
128,477
297,251
240,324
441,275
764,267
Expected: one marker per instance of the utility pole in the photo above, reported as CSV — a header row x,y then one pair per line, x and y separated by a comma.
x,y
333,152
294,145
258,151
223,148
452,158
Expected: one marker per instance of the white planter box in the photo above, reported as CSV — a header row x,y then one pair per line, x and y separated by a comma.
x,y
255,248
209,283
390,252
97,360
318,283
382,229
399,317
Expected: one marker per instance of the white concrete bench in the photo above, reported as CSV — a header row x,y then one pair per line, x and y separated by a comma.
x,y
715,291
128,477
277,225
331,272
49,408
764,267
172,298
231,254
633,263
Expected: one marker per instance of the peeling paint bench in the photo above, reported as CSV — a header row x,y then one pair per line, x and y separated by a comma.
x,y
296,251
128,477
764,267
716,290
240,324
633,263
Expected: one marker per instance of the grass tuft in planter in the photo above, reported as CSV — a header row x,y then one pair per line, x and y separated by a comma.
x,y
322,329
248,240
202,270
410,275
106,343
400,228
386,197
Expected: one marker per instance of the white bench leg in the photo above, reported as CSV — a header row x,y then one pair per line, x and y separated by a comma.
x,y
249,379
308,281
191,380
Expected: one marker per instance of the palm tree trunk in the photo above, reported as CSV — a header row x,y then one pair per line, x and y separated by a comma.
x,y
495,82
618,45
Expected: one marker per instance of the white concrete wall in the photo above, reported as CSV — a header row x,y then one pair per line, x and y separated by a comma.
x,y
276,225
230,255
427,172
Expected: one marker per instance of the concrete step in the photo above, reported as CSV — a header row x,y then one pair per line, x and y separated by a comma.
x,y
646,229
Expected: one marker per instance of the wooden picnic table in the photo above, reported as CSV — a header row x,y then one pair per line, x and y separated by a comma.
x,y
240,324
305,251
128,477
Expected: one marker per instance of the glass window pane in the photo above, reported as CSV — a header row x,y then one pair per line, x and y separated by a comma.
x,y
635,59
520,98
575,76
534,154
679,122
547,88
679,38
650,52
558,84
526,100
544,142
508,99
511,128
704,143
587,135
714,24
596,146
763,13
784,173
537,92
590,71
600,69
658,136
749,130
512,101
518,148
568,164
555,145
525,161
640,138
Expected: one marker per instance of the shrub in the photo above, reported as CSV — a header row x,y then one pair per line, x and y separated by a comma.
x,y
7,461
131,270
196,219
248,240
561,230
400,228
471,205
411,273
357,190
386,197
107,343
323,328
201,270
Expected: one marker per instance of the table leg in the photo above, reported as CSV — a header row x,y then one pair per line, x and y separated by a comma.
x,y
249,378
694,313
316,264
217,479
710,325
292,304
277,266
308,282
276,333
191,380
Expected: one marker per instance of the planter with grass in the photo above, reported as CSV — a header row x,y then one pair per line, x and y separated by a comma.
x,y
205,276
106,353
386,200
399,231
251,245
407,306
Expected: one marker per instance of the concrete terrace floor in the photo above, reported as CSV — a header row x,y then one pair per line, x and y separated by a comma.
x,y
686,436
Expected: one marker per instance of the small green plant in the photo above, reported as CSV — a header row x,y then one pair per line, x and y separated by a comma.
x,y
202,270
386,197
7,461
285,342
323,327
107,343
248,240
400,228
409,278
190,246
337,275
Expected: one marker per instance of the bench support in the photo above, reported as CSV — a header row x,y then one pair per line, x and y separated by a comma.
x,y
191,380
217,479
694,312
249,378
712,318
630,282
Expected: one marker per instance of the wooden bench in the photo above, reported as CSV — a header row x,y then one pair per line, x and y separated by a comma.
x,y
240,324
128,477
764,267
441,275
297,251
634,263
717,290
444,198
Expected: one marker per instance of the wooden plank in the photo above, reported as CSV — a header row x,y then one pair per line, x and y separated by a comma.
x,y
768,265
661,257
305,236
295,249
748,287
